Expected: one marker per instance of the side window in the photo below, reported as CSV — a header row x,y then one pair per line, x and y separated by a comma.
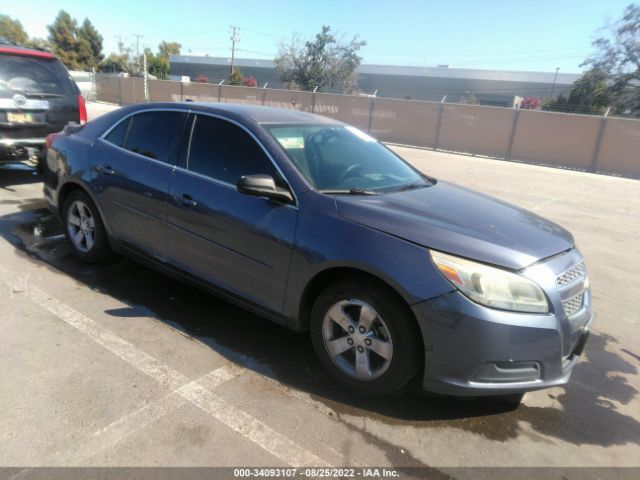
x,y
152,134
223,151
118,135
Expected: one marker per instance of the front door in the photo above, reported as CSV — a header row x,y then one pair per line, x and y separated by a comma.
x,y
240,243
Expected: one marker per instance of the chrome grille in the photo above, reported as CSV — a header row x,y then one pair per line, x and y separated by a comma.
x,y
570,276
573,304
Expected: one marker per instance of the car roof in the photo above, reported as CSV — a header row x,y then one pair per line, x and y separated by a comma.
x,y
256,113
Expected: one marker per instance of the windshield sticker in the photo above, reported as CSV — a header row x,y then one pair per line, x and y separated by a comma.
x,y
291,142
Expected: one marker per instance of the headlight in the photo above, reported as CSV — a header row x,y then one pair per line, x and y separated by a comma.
x,y
491,286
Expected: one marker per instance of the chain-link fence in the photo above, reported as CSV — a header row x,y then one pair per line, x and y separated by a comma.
x,y
580,142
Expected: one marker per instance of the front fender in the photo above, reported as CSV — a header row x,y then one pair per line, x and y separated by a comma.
x,y
325,240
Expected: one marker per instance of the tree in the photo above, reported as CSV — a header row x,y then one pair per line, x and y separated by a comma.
x,y
470,99
158,64
236,77
11,29
62,37
618,58
589,94
115,63
324,62
38,43
165,49
79,48
89,37
118,62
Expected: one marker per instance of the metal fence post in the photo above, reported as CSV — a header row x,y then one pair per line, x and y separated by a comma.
x,y
513,134
119,90
371,105
264,94
596,149
313,100
439,125
145,79
181,91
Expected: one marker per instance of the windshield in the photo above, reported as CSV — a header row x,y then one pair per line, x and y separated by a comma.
x,y
342,159
22,74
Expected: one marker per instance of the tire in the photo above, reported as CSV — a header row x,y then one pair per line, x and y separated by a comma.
x,y
88,225
380,360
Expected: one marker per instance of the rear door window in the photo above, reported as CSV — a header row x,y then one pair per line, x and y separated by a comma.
x,y
27,75
118,135
153,134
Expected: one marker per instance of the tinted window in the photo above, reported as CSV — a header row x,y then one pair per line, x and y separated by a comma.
x,y
225,152
152,134
33,75
118,135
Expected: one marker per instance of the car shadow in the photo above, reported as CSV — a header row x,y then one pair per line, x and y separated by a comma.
x,y
589,410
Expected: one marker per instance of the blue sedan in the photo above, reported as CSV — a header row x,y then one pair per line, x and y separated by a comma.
x,y
315,225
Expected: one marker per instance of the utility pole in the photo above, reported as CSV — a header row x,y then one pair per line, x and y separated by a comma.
x,y
555,77
235,38
138,36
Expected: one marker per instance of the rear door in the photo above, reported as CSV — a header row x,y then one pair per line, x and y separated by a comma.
x,y
238,242
37,96
132,166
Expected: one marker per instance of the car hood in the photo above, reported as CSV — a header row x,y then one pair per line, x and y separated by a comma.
x,y
460,221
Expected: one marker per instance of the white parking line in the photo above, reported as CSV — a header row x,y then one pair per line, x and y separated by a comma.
x,y
247,426
117,431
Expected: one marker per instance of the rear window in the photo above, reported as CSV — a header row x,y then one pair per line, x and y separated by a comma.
x,y
118,135
152,134
29,75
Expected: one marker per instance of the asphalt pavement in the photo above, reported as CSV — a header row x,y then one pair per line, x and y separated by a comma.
x,y
119,365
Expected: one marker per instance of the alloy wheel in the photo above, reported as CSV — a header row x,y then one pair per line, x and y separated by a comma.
x,y
357,339
81,226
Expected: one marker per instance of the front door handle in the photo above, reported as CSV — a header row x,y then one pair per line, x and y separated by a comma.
x,y
187,201
105,169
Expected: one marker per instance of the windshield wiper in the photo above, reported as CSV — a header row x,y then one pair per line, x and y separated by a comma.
x,y
350,191
412,186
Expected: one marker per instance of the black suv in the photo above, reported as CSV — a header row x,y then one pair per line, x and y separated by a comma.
x,y
37,97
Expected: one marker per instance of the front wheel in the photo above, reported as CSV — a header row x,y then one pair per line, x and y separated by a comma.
x,y
365,337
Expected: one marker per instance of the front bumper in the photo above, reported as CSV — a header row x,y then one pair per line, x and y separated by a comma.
x,y
20,149
474,350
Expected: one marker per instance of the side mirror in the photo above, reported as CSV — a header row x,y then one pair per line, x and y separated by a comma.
x,y
263,186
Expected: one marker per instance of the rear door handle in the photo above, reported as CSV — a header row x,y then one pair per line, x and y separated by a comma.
x,y
105,169
187,201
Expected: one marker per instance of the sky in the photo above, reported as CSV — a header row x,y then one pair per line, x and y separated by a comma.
x,y
493,34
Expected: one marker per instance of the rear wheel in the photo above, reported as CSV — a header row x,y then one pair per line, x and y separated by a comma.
x,y
365,337
84,228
